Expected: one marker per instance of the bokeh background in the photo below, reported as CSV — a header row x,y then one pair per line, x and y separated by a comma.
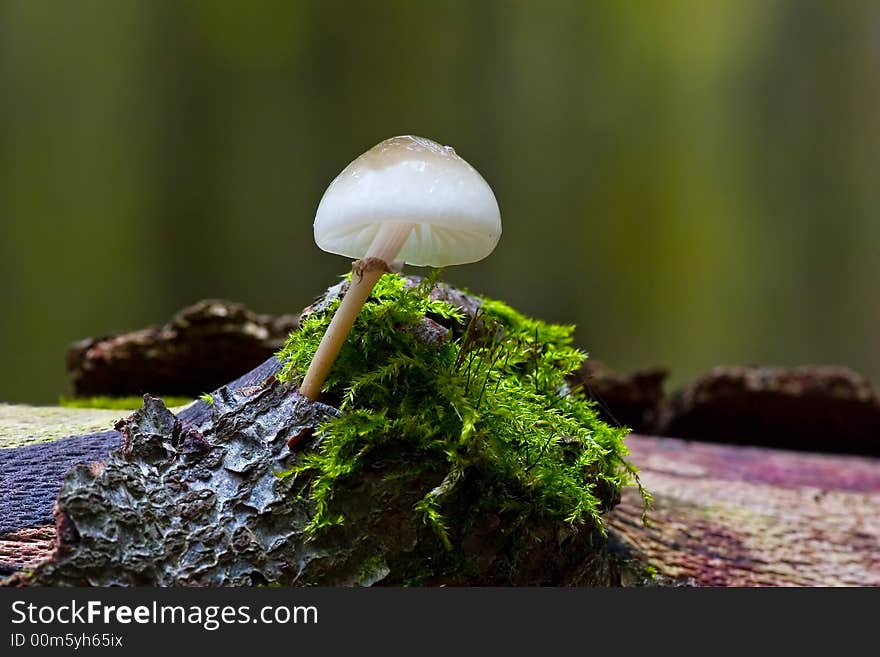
x,y
691,182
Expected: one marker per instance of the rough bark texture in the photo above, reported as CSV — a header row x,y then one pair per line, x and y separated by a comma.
x,y
31,475
822,409
743,516
201,348
188,504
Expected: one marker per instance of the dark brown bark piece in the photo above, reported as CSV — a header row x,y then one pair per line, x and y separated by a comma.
x,y
201,348
815,408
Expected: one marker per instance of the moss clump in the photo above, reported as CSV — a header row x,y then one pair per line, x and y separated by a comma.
x,y
488,411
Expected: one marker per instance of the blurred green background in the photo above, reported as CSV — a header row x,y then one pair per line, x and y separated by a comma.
x,y
691,182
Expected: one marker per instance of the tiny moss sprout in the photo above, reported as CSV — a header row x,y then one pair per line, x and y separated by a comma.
x,y
489,410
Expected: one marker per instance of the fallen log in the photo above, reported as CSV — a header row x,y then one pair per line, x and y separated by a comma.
x,y
724,515
201,498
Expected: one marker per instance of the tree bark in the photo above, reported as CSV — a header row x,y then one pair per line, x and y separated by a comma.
x,y
812,408
202,347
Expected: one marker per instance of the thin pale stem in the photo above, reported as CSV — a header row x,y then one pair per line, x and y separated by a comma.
x,y
385,247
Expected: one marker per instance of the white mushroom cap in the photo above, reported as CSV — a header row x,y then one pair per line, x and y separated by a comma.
x,y
411,180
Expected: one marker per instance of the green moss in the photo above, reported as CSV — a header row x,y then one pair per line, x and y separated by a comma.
x,y
372,570
117,403
489,410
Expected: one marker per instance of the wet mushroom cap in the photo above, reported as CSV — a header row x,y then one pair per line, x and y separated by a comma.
x,y
411,180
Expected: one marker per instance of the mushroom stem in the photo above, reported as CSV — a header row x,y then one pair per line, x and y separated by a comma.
x,y
366,273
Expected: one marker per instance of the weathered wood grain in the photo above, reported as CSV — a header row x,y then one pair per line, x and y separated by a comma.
x,y
747,516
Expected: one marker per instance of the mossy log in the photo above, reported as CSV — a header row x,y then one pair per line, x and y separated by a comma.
x,y
171,508
723,515
196,499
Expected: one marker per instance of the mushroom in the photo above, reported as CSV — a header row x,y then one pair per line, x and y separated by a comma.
x,y
406,199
